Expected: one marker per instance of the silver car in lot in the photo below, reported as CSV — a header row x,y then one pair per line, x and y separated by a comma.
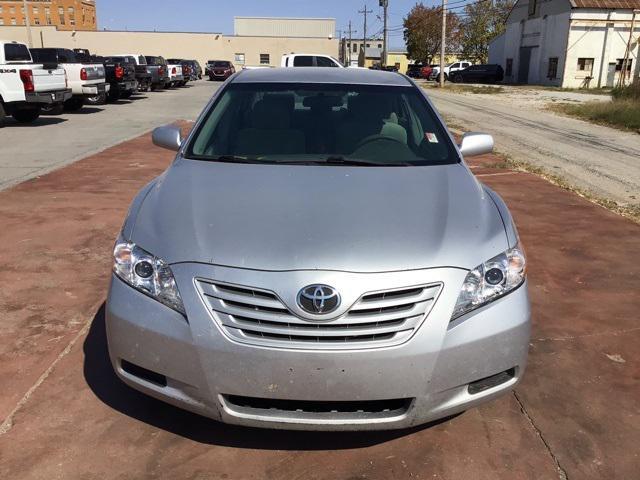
x,y
319,256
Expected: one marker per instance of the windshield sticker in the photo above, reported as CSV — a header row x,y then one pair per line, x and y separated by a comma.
x,y
431,137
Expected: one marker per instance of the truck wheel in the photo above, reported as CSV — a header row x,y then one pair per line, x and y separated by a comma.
x,y
26,115
74,104
126,94
153,87
457,79
99,99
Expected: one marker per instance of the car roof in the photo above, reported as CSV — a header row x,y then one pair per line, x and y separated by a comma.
x,y
322,75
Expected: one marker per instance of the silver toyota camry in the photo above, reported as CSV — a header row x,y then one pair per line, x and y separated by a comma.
x,y
319,256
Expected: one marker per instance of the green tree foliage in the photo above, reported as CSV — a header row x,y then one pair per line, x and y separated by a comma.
x,y
483,21
423,32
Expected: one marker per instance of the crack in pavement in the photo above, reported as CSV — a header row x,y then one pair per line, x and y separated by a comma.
x,y
562,473
6,425
588,335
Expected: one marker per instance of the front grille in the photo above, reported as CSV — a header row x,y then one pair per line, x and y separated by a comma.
x,y
257,316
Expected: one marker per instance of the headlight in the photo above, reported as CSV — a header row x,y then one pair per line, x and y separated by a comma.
x,y
491,280
144,272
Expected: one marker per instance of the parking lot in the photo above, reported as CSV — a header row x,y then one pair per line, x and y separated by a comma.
x,y
65,414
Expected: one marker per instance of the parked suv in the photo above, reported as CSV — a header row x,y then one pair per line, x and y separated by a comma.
x,y
319,256
86,79
25,87
220,69
479,74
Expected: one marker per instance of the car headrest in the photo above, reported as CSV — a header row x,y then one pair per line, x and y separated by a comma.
x,y
269,114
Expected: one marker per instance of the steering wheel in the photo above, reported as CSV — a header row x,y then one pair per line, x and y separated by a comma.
x,y
376,138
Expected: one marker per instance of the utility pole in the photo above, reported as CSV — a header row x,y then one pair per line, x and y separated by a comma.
x,y
443,42
622,80
27,22
364,34
350,41
385,50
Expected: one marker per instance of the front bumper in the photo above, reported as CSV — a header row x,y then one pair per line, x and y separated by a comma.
x,y
55,96
205,370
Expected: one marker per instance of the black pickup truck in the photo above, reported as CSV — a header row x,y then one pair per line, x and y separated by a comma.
x,y
120,74
157,68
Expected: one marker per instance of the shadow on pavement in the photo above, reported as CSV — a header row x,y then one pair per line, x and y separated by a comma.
x,y
104,383
44,120
86,110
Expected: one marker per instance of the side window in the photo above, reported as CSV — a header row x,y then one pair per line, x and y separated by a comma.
x,y
142,60
325,62
455,65
303,61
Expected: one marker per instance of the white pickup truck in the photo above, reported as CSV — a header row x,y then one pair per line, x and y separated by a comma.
x,y
86,80
309,60
175,75
26,87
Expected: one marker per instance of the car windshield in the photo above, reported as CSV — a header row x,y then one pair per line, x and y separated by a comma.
x,y
220,64
322,124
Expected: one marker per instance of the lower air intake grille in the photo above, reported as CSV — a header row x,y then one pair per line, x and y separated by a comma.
x,y
318,409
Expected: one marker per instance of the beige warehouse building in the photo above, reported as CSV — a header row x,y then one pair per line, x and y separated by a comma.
x,y
265,47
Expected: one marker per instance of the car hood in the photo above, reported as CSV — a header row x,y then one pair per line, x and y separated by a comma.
x,y
290,217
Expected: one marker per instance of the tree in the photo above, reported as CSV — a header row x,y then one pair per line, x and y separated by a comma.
x,y
484,20
423,32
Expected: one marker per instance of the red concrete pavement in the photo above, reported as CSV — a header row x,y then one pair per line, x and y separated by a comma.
x,y
577,413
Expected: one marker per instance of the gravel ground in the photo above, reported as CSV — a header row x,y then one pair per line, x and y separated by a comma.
x,y
596,159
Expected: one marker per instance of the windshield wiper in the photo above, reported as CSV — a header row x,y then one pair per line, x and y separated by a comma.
x,y
235,159
340,160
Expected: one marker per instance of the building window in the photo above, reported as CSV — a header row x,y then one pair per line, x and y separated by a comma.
x,y
1,21
13,21
47,14
533,5
585,65
61,15
379,45
72,15
12,9
620,61
22,10
240,58
355,48
508,71
368,45
552,72
1,12
36,21
35,10
264,59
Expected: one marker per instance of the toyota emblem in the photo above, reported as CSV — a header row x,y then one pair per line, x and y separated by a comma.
x,y
318,299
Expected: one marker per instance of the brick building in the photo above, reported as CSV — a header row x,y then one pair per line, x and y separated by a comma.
x,y
76,15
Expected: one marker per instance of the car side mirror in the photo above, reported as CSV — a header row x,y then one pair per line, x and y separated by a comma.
x,y
473,144
168,137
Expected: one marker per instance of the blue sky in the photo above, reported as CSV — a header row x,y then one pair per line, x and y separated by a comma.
x,y
217,15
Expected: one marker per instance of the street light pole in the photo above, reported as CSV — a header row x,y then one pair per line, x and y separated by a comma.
x,y
27,22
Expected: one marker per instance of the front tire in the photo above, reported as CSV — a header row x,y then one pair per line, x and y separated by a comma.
x,y
27,115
